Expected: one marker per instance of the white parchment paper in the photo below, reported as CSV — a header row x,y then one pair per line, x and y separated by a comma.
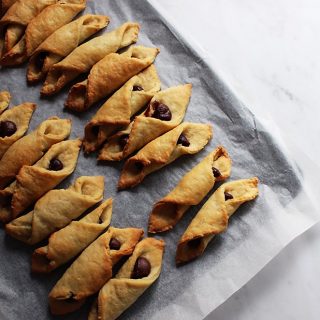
x,y
256,233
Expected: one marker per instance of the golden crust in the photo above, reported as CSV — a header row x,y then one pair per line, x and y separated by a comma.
x,y
162,151
5,98
68,242
30,148
117,111
62,42
190,191
121,292
5,5
145,128
82,59
108,75
56,209
213,217
91,270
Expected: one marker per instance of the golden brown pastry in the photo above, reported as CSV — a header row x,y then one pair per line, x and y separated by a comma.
x,y
92,269
61,43
5,5
56,209
213,217
82,59
13,124
188,138
108,75
190,190
17,18
140,271
166,110
40,27
30,148
69,241
5,98
117,111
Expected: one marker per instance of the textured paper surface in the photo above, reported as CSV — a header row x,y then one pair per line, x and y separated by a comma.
x,y
257,232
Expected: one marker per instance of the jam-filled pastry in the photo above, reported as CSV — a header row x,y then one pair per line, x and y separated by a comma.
x,y
5,5
213,217
5,98
61,43
108,75
92,269
117,111
187,138
13,124
56,209
39,29
137,274
69,241
190,190
16,19
30,148
83,58
166,110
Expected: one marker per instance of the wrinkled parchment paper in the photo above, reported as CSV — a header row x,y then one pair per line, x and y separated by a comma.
x,y
256,233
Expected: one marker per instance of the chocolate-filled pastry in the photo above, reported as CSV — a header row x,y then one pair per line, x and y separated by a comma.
x,y
13,124
69,241
5,98
164,150
165,111
16,19
108,75
82,59
39,29
190,190
140,271
30,148
213,217
61,43
92,269
5,5
56,209
117,111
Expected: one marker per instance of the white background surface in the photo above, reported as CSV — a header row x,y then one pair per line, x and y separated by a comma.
x,y
268,53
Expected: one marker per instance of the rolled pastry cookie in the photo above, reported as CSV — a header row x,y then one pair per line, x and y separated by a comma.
x,y
5,5
18,17
140,271
117,111
166,110
92,269
69,241
190,190
43,25
213,217
56,209
61,43
5,98
188,138
108,75
83,58
30,148
13,124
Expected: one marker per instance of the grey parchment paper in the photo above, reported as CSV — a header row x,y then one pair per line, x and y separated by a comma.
x,y
256,233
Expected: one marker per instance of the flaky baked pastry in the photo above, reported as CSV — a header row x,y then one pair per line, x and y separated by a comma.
x,y
190,190
166,110
117,111
5,98
40,27
56,209
61,43
187,138
69,241
82,59
92,269
108,75
140,271
5,5
30,148
213,217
